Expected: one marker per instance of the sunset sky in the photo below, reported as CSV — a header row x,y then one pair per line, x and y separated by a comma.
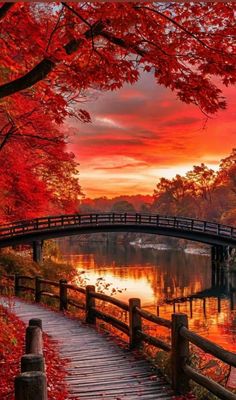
x,y
141,133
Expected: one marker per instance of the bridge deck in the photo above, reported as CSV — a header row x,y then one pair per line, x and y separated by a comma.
x,y
98,368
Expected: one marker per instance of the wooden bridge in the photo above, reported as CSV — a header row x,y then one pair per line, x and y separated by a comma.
x,y
66,225
99,368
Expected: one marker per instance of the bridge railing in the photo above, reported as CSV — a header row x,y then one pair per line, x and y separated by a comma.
x,y
180,223
181,335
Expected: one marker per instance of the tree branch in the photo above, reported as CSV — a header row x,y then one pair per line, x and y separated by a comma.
x,y
57,139
121,43
76,13
181,27
4,9
7,137
44,67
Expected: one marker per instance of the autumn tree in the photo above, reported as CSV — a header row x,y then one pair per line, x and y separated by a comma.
x,y
65,49
174,196
37,175
203,179
54,55
226,183
227,172
202,193
123,206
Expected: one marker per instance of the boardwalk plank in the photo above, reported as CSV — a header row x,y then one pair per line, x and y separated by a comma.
x,y
98,368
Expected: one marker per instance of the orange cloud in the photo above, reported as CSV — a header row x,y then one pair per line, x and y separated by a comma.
x,y
142,132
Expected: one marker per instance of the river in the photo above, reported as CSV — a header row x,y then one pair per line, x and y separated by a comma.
x,y
157,278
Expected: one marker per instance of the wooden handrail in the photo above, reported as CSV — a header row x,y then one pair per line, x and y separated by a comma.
x,y
49,294
76,288
208,383
154,318
209,347
76,304
154,341
30,278
112,300
122,326
22,287
49,282
181,335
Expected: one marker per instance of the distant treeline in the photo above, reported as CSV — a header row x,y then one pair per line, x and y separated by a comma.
x,y
201,192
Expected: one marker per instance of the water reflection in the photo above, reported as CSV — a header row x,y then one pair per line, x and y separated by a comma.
x,y
166,282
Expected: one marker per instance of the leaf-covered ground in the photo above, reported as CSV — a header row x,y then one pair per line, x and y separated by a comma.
x,y
12,335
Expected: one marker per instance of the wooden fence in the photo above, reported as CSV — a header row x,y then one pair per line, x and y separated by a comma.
x,y
181,336
31,383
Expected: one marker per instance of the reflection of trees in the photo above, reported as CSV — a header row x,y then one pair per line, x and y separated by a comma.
x,y
170,274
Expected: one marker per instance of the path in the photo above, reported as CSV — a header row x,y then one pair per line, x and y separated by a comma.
x,y
98,368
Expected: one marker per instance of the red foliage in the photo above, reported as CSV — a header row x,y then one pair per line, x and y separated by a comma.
x,y
11,349
68,48
53,55
37,175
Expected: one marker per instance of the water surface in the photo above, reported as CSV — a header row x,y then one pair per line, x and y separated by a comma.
x,y
159,277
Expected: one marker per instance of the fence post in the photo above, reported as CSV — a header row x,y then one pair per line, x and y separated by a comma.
x,y
17,284
135,323
32,362
90,302
31,386
33,340
63,294
36,322
179,354
37,289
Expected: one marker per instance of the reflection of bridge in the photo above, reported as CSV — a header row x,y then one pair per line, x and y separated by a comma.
x,y
39,229
223,287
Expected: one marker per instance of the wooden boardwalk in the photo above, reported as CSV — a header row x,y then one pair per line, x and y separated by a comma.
x,y
98,368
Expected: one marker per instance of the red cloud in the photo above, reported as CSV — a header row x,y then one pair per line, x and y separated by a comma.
x,y
143,128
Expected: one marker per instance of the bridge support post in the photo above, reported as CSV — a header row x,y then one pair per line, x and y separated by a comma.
x,y
37,251
213,253
179,354
220,253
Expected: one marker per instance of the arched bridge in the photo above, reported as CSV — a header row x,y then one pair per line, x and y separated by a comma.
x,y
67,225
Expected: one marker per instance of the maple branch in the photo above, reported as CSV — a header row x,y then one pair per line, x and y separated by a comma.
x,y
54,30
181,27
4,9
7,137
44,67
57,139
122,43
76,13
174,23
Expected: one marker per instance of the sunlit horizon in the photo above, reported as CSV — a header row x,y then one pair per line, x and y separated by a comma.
x,y
130,183
141,133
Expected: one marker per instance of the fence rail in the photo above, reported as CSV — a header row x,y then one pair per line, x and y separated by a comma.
x,y
181,336
185,224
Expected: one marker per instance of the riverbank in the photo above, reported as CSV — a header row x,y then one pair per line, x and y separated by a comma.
x,y
180,245
16,262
